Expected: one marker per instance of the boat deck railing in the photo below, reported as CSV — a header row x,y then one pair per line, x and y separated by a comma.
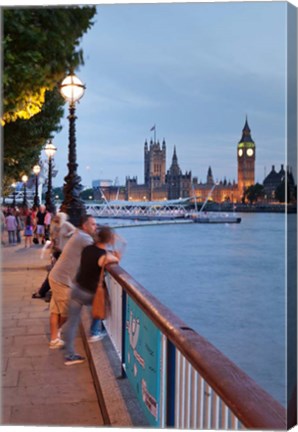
x,y
191,384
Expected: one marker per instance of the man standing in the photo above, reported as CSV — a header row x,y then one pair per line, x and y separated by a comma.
x,y
63,273
11,226
40,224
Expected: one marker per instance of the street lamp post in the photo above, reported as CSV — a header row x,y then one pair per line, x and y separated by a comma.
x,y
36,170
24,180
50,150
72,89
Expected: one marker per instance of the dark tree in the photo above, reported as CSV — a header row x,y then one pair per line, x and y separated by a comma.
x,y
40,46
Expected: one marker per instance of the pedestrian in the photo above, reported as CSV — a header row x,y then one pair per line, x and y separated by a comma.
x,y
28,230
93,258
3,224
11,226
40,224
62,275
60,232
65,231
20,225
47,224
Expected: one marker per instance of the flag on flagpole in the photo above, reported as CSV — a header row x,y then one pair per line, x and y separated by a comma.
x,y
153,128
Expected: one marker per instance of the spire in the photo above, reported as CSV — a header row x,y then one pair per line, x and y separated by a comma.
x,y
246,137
174,168
175,159
210,176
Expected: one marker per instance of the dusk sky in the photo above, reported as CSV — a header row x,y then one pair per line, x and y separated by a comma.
x,y
195,70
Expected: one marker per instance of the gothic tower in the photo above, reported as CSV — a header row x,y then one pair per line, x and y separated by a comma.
x,y
246,154
178,184
154,164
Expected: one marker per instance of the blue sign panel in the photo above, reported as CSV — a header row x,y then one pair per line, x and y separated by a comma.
x,y
142,359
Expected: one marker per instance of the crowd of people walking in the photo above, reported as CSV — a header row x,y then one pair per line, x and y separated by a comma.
x,y
78,255
31,224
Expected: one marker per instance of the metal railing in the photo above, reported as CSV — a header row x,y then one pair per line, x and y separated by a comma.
x,y
197,387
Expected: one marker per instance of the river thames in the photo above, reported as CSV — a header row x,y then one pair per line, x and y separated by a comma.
x,y
226,281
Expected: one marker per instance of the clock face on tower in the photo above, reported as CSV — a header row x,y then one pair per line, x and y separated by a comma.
x,y
249,152
240,152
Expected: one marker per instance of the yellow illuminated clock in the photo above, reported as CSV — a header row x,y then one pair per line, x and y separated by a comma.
x,y
240,152
249,152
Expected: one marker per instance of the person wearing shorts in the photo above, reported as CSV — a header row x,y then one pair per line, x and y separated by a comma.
x,y
40,223
59,302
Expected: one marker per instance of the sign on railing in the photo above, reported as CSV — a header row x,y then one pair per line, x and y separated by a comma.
x,y
142,360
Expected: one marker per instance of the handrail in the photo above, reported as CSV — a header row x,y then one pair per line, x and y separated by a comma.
x,y
253,406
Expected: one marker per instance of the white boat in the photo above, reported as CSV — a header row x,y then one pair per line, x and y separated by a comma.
x,y
212,217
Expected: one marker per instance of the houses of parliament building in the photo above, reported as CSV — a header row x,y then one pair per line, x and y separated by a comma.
x,y
161,184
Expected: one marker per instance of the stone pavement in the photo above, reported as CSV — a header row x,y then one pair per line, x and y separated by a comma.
x,y
37,388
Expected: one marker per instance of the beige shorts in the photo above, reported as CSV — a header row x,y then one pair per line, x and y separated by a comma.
x,y
60,298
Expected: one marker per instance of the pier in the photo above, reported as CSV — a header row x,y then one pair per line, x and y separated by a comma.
x,y
152,369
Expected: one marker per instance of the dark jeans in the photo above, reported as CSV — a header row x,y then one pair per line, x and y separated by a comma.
x,y
45,287
78,298
19,236
11,237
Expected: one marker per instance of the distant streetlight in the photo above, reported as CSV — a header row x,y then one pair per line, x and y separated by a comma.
x,y
24,180
14,185
50,151
72,89
36,171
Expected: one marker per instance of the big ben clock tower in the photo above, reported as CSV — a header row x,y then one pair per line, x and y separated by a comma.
x,y
246,154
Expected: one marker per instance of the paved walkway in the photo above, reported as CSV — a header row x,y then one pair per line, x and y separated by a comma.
x,y
37,388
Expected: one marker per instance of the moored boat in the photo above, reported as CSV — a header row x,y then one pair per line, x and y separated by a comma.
x,y
215,218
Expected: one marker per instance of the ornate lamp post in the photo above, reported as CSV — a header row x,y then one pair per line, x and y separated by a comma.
x,y
14,185
36,170
50,150
72,89
24,180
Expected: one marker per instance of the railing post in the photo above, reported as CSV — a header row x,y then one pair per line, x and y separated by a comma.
x,y
171,379
124,300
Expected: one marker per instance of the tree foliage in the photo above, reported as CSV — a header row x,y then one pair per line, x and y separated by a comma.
x,y
254,192
23,139
40,46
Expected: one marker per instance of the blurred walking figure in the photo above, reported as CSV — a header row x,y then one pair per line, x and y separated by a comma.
x,y
60,232
92,259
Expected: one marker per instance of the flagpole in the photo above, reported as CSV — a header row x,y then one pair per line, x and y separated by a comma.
x,y
154,134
